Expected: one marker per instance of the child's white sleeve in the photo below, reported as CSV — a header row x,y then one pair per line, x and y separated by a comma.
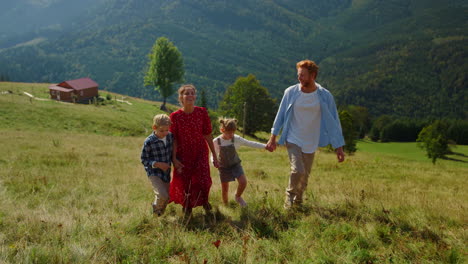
x,y
244,142
216,148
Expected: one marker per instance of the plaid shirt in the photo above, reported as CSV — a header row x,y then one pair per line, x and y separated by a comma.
x,y
153,151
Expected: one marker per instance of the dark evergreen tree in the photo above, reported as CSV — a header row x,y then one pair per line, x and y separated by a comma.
x,y
458,131
349,132
361,119
378,126
202,101
402,130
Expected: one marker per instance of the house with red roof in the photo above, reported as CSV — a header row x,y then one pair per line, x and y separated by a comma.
x,y
79,90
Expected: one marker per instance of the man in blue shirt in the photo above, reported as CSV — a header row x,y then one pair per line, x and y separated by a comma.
x,y
307,119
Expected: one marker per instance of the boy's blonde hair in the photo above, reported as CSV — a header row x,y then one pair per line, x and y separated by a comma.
x,y
183,88
228,124
161,120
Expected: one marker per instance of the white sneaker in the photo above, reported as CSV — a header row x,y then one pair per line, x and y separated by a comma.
x,y
240,201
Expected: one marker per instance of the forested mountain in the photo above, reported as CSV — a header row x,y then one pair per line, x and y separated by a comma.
x,y
400,57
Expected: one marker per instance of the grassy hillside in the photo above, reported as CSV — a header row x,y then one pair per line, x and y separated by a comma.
x,y
78,194
410,151
127,117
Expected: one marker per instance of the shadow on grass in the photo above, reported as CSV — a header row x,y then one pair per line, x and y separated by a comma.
x,y
459,157
269,221
454,159
459,154
389,223
263,221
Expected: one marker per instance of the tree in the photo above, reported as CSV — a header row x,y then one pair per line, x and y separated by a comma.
x,y
165,67
361,119
378,127
458,129
434,140
349,132
202,101
261,108
402,130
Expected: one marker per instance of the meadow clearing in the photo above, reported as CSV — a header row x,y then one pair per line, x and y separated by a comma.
x,y
72,190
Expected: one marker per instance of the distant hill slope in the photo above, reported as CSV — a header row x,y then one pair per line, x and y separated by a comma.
x,y
385,55
415,66
127,117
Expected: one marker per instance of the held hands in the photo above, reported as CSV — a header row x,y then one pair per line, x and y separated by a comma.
x,y
162,165
271,144
340,154
215,161
269,148
177,165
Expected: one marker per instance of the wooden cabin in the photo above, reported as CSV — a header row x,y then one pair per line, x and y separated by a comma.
x,y
79,90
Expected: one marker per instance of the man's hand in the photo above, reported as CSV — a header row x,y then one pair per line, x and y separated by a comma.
x,y
271,144
340,154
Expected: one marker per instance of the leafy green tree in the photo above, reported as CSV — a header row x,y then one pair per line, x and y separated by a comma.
x,y
260,107
402,130
378,127
349,132
434,140
361,119
165,67
458,131
202,101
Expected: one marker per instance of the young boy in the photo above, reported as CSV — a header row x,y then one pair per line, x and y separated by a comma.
x,y
156,157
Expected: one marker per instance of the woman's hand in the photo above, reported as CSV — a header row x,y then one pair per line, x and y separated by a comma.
x,y
162,165
177,165
215,162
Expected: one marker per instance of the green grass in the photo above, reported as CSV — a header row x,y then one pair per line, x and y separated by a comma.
x,y
410,151
20,112
78,196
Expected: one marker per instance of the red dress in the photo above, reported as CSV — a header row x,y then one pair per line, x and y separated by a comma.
x,y
194,182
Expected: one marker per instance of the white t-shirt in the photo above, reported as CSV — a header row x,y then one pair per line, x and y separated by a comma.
x,y
305,123
238,142
164,140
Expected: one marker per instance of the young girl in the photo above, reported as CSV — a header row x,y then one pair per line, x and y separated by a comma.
x,y
229,162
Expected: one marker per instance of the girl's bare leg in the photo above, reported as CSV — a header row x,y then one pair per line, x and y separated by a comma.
x,y
225,191
242,184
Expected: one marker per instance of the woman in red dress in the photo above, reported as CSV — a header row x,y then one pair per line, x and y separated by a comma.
x,y
191,127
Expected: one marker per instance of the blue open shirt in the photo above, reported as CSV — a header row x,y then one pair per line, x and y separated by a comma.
x,y
330,127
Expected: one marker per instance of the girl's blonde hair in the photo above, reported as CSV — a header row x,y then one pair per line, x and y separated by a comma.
x,y
183,88
228,124
161,120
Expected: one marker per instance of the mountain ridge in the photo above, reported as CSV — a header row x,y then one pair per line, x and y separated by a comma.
x,y
223,40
